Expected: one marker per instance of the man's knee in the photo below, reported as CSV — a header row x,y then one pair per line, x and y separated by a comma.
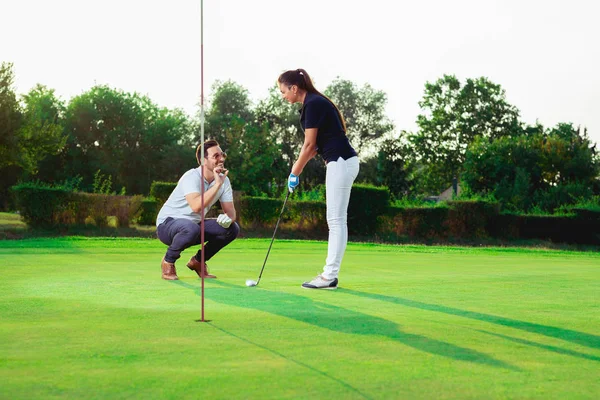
x,y
189,233
233,231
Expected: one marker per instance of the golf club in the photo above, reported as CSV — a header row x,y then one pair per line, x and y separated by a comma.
x,y
250,282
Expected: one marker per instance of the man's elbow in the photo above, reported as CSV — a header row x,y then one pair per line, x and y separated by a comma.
x,y
196,208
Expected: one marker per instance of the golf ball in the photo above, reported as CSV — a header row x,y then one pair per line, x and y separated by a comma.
x,y
250,282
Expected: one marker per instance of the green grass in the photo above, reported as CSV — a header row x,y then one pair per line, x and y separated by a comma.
x,y
91,318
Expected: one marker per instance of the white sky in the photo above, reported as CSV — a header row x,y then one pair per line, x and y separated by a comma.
x,y
544,53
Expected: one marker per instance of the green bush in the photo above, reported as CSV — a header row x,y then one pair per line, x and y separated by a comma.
x,y
315,194
161,190
581,227
455,219
587,213
367,202
44,206
40,205
412,202
99,211
308,215
561,195
149,211
504,226
263,212
552,228
259,211
421,222
125,209
470,219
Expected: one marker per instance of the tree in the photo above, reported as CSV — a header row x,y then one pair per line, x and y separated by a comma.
x,y
282,120
543,170
368,173
364,112
167,147
230,104
125,136
453,116
253,156
10,122
105,127
11,118
42,133
570,156
253,159
29,134
362,109
393,166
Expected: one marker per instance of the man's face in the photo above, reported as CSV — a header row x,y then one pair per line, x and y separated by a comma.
x,y
216,157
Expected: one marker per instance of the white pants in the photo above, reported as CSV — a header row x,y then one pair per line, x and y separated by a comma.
x,y
338,184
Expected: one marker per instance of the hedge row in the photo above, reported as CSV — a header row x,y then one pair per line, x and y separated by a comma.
x,y
161,191
366,203
260,212
369,214
50,207
480,220
560,229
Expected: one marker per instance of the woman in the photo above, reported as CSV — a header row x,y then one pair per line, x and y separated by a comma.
x,y
324,134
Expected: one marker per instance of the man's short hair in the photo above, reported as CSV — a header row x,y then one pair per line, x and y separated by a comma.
x,y
207,145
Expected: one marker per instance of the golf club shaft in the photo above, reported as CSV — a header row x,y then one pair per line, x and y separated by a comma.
x,y
273,238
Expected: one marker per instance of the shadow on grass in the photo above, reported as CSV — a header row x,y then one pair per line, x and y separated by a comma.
x,y
337,319
581,338
544,346
326,375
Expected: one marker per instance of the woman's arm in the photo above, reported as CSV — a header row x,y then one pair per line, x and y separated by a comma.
x,y
308,151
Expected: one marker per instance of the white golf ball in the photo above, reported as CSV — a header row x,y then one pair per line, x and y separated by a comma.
x,y
250,282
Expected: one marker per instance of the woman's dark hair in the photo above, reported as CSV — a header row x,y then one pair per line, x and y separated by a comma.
x,y
300,78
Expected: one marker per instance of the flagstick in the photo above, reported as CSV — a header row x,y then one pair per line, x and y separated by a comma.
x,y
202,151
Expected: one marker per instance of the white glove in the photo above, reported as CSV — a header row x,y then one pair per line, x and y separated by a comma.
x,y
224,220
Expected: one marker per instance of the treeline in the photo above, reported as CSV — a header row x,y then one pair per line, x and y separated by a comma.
x,y
106,140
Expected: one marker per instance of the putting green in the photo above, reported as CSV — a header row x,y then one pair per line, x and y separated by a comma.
x,y
91,318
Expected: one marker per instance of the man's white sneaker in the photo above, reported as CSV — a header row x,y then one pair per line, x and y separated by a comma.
x,y
321,283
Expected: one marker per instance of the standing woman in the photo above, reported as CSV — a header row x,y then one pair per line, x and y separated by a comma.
x,y
324,134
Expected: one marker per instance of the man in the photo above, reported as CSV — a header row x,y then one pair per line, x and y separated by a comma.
x,y
178,221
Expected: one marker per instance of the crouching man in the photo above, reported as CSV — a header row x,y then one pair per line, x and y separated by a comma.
x,y
178,221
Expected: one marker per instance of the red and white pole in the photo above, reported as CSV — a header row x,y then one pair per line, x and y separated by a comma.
x,y
202,150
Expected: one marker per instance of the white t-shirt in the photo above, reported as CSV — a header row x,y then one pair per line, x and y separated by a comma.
x,y
177,206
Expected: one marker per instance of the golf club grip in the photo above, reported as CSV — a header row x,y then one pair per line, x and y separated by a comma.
x,y
273,238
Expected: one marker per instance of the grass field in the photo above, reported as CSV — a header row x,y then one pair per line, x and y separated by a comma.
x,y
91,319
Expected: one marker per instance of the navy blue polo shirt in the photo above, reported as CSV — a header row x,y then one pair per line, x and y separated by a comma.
x,y
332,142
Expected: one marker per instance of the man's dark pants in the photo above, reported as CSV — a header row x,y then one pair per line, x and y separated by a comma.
x,y
180,234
